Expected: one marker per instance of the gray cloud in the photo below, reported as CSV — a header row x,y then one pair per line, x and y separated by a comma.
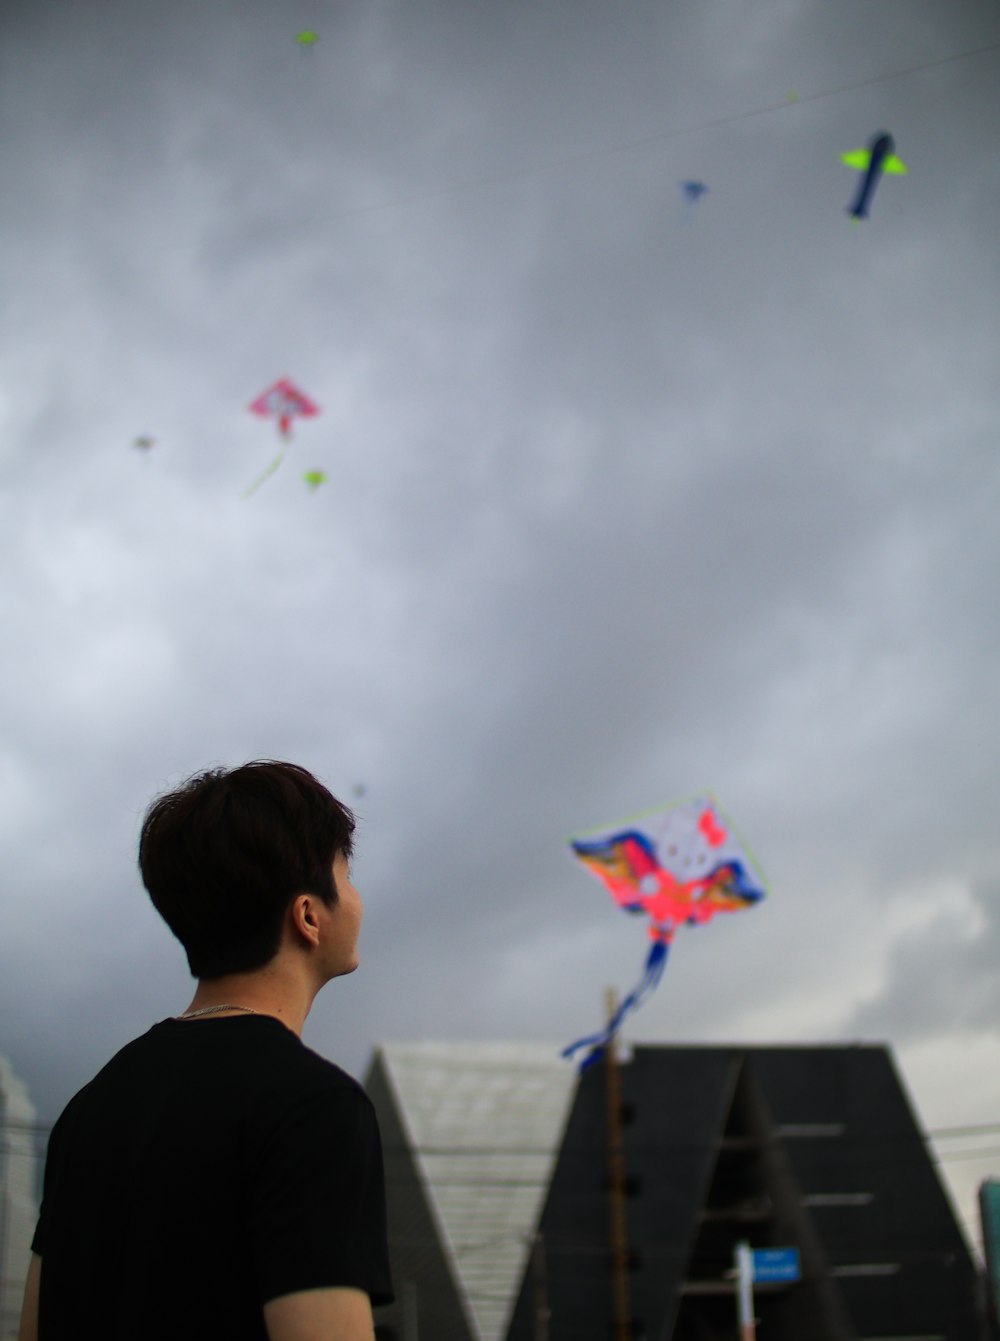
x,y
940,978
618,507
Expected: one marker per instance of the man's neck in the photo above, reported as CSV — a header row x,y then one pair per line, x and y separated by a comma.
x,y
264,992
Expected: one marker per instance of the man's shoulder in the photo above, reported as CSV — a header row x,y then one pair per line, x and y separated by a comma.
x,y
311,1095
260,1048
258,1062
320,1076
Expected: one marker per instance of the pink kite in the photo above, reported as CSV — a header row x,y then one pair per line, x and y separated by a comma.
x,y
284,402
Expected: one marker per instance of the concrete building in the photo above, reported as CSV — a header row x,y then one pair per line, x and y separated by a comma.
x,y
18,1201
499,1183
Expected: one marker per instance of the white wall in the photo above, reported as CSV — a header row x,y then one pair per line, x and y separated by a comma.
x,y
18,1204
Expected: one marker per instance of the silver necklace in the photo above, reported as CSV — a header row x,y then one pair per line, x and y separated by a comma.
x,y
212,1010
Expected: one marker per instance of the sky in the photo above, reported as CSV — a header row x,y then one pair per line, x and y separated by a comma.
x,y
626,500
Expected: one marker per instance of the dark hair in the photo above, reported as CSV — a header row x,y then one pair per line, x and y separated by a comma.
x,y
224,854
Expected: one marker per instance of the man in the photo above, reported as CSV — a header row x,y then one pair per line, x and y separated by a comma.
x,y
218,1179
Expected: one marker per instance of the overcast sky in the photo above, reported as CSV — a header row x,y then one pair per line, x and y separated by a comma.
x,y
625,500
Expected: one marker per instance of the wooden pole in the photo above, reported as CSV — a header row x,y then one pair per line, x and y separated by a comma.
x,y
621,1330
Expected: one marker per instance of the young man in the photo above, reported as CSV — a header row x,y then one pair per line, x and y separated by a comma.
x,y
218,1179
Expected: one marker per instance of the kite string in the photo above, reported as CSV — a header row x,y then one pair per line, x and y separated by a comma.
x,y
266,474
519,174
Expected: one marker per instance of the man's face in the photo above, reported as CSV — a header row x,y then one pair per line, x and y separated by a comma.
x,y
343,922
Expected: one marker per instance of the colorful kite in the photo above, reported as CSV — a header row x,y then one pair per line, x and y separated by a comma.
x,y
284,402
874,160
307,38
314,478
678,865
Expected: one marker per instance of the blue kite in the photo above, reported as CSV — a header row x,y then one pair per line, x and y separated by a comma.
x,y
693,191
873,161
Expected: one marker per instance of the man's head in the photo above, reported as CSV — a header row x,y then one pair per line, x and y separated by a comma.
x,y
225,854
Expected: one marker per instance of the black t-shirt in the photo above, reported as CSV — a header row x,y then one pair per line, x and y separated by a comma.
x,y
212,1165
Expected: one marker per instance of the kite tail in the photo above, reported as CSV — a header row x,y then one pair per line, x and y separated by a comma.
x,y
266,475
652,973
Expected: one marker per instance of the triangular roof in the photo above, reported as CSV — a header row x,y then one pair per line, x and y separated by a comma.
x,y
483,1123
493,1147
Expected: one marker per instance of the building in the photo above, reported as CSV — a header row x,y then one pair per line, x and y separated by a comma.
x,y
470,1134
502,1179
18,1203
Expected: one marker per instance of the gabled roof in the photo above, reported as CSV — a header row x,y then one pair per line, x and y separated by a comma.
x,y
811,1148
484,1122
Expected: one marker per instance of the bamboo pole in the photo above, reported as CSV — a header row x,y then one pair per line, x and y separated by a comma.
x,y
622,1325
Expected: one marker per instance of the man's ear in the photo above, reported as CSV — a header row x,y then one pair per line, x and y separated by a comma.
x,y
303,918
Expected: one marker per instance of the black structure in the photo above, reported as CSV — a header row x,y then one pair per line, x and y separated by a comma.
x,y
989,1213
808,1147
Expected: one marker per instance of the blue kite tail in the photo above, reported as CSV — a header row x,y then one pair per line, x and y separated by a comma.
x,y
652,973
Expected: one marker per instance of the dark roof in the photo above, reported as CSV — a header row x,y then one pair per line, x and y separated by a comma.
x,y
809,1147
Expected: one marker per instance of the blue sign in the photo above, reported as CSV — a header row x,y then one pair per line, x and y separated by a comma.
x,y
771,1264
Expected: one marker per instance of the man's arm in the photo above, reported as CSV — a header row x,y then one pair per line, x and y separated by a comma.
x,y
28,1330
340,1314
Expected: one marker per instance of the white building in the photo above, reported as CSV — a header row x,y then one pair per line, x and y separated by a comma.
x,y
470,1133
18,1203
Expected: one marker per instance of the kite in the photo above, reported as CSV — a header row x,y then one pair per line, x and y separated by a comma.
x,y
314,478
693,191
283,401
144,442
874,160
307,38
678,865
